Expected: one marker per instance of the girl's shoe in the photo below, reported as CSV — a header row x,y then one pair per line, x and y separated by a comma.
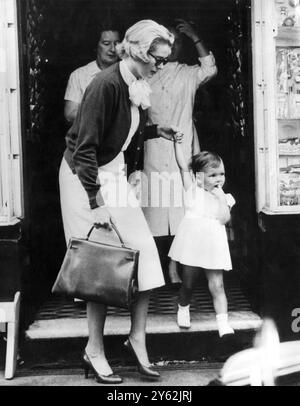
x,y
107,379
143,369
183,316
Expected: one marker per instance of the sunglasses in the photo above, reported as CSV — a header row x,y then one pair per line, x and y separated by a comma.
x,y
159,60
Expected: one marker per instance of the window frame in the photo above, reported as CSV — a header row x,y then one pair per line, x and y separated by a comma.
x,y
11,173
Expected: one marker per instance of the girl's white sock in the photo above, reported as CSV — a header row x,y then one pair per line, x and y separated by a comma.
x,y
183,316
223,325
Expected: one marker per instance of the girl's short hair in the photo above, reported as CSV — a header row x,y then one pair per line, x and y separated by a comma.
x,y
204,160
143,37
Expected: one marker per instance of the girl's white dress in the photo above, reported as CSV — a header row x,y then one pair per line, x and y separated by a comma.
x,y
201,240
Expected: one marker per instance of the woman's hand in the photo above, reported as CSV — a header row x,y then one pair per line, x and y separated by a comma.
x,y
102,218
170,133
186,28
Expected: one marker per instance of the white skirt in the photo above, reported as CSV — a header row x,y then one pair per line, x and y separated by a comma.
x,y
124,208
201,242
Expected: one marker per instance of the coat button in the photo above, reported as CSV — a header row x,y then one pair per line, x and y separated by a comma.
x,y
138,148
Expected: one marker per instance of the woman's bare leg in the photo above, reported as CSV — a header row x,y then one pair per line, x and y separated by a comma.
x,y
137,333
96,315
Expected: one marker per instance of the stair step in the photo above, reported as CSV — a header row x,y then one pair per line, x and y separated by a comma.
x,y
156,324
64,318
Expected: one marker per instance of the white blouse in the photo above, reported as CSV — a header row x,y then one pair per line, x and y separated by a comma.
x,y
79,81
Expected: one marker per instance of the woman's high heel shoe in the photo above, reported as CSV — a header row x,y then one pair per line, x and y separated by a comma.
x,y
143,369
107,379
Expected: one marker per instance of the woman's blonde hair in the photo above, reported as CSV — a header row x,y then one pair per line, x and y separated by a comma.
x,y
143,37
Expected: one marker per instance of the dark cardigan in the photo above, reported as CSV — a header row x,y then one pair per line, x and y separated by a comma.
x,y
100,130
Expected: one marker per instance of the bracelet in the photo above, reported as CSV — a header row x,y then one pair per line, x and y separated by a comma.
x,y
198,40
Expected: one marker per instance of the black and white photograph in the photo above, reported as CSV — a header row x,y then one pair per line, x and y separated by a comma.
x,y
149,196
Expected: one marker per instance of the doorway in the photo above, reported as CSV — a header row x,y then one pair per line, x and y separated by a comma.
x,y
60,35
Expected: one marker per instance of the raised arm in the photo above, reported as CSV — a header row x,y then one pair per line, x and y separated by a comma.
x,y
183,167
207,68
187,28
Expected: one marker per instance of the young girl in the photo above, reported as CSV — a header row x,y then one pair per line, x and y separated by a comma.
x,y
201,240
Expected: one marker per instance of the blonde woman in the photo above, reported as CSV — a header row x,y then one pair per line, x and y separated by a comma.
x,y
109,126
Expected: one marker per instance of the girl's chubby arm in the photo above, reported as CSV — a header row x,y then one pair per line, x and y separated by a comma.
x,y
224,210
183,167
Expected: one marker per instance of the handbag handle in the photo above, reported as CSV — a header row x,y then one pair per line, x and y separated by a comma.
x,y
115,230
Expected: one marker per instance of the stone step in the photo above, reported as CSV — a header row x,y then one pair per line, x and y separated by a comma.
x,y
63,318
119,325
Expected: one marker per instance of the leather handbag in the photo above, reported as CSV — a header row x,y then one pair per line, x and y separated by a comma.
x,y
99,272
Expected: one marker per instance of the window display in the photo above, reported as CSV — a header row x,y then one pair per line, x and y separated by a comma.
x,y
288,111
288,82
288,13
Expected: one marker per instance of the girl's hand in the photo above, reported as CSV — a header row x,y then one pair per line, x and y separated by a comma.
x,y
186,28
224,212
178,137
102,218
218,192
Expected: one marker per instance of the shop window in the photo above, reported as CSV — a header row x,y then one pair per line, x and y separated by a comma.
x,y
10,128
